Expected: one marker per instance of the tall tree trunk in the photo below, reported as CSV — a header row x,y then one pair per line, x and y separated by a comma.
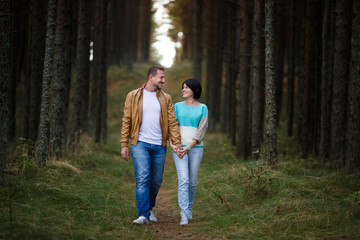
x,y
270,99
353,150
197,38
291,70
232,70
210,68
258,79
101,102
5,40
37,62
341,76
82,67
280,28
144,31
243,149
305,87
19,13
57,117
68,67
324,146
44,128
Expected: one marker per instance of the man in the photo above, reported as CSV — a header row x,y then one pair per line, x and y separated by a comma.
x,y
149,119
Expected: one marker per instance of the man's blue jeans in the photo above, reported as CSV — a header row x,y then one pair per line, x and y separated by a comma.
x,y
187,170
149,160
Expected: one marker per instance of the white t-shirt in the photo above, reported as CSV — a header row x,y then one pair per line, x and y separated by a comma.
x,y
150,130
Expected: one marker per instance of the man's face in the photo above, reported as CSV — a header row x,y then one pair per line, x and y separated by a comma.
x,y
159,79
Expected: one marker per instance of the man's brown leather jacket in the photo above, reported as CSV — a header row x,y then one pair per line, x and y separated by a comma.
x,y
132,118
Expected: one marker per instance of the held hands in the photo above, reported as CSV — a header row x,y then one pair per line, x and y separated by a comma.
x,y
180,151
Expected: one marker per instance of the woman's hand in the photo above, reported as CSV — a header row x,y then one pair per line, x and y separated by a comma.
x,y
175,148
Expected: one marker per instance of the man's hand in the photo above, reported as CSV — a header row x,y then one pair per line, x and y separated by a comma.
x,y
125,153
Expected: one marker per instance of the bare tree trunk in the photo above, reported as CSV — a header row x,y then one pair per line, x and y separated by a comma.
x,y
37,63
57,117
324,147
291,70
68,67
18,38
270,99
243,149
46,84
341,76
5,27
353,150
82,76
197,38
258,79
101,102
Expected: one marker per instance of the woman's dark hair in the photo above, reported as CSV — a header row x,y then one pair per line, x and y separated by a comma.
x,y
194,85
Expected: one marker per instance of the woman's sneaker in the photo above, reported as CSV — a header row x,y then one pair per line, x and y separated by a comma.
x,y
152,217
184,219
189,215
141,221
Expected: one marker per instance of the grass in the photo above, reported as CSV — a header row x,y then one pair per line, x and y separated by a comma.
x,y
91,195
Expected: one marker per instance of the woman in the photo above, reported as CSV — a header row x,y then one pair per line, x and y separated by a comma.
x,y
192,117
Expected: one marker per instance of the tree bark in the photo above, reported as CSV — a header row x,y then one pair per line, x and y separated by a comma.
x,y
341,76
243,133
57,117
82,76
46,84
197,38
37,63
258,79
5,40
353,150
270,99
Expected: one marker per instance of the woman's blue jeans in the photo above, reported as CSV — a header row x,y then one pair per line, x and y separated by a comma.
x,y
149,160
187,171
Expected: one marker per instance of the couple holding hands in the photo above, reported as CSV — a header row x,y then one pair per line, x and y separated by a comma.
x,y
150,120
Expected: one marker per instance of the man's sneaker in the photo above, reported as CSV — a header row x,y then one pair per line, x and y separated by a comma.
x,y
184,219
189,215
141,221
152,217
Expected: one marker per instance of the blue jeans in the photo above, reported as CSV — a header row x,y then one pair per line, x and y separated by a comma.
x,y
149,160
187,170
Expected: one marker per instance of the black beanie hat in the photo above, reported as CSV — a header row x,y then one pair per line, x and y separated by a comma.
x,y
194,85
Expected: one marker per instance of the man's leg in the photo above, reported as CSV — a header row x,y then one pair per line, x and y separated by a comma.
x,y
158,154
141,159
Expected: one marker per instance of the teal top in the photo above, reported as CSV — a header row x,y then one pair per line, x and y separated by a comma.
x,y
192,122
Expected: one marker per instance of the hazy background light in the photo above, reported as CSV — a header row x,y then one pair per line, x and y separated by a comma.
x,y
164,46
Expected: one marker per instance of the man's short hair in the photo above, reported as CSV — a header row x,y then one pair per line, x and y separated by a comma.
x,y
153,70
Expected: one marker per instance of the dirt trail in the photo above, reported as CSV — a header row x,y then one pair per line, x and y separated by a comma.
x,y
168,225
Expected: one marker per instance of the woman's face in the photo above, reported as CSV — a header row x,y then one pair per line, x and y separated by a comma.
x,y
187,92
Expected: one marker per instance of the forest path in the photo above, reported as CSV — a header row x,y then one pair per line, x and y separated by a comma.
x,y
168,215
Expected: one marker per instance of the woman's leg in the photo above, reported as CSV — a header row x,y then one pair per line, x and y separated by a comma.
x,y
195,156
183,181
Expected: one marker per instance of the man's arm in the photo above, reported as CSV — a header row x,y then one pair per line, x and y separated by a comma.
x,y
126,127
174,130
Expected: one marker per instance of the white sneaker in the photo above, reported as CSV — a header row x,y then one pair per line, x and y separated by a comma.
x,y
184,219
141,221
189,215
152,217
